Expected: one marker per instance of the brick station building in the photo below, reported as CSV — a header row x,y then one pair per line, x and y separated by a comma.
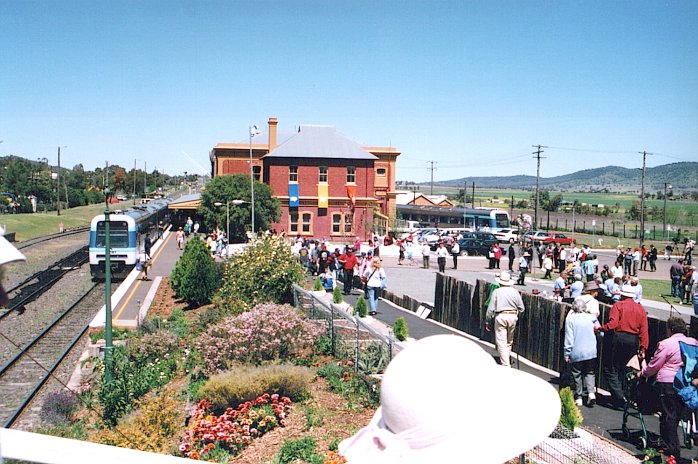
x,y
329,186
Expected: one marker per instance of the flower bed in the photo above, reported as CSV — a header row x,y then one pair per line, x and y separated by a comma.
x,y
210,435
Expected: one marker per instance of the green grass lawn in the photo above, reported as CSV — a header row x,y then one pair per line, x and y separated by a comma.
x,y
28,226
655,289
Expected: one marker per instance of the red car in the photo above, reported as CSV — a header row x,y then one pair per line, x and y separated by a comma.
x,y
562,239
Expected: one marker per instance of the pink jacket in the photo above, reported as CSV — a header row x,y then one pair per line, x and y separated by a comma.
x,y
667,358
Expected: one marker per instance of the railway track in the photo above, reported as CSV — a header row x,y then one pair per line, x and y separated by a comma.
x,y
23,375
36,284
45,238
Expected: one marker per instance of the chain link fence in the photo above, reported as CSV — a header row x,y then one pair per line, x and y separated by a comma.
x,y
350,338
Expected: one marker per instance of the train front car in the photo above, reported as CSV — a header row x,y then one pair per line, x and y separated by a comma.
x,y
123,243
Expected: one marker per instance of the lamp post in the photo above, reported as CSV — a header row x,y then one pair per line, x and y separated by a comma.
x,y
227,218
664,234
107,293
254,130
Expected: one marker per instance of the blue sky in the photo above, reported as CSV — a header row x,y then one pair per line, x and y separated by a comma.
x,y
471,85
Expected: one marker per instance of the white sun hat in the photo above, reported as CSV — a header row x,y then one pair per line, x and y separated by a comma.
x,y
8,253
444,399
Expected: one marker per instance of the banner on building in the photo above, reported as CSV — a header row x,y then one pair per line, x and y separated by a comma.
x,y
293,197
323,199
351,193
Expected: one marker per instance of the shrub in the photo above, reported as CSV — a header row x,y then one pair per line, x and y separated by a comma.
x,y
266,333
245,383
131,380
117,333
317,285
400,329
58,408
154,428
361,307
195,277
265,271
337,295
300,449
570,415
152,346
355,387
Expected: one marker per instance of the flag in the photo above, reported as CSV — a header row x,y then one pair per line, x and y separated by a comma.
x,y
323,199
293,197
351,193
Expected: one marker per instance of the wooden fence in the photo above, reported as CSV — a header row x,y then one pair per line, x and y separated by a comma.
x,y
540,330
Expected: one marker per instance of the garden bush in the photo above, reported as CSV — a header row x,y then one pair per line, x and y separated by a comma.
x,y
570,415
317,285
131,380
337,295
196,278
265,271
266,333
299,450
356,388
245,383
152,346
155,427
400,329
59,408
361,307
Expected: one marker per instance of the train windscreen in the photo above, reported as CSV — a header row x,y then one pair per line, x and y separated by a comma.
x,y
118,234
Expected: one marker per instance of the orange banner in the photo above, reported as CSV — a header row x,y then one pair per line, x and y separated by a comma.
x,y
351,193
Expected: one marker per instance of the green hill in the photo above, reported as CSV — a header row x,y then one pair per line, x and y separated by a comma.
x,y
682,176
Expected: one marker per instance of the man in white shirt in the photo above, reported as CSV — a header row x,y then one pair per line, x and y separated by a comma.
x,y
426,251
441,254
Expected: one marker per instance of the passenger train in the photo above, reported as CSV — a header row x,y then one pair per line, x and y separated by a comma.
x,y
127,231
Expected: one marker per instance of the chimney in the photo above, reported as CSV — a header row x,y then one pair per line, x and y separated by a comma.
x,y
272,133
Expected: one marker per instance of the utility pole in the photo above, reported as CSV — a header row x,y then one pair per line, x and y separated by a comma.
x,y
642,198
134,182
58,179
145,178
465,203
432,169
538,157
472,198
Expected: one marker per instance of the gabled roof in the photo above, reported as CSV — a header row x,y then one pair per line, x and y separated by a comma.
x,y
320,142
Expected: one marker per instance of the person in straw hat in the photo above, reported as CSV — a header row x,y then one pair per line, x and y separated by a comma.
x,y
504,308
408,428
627,321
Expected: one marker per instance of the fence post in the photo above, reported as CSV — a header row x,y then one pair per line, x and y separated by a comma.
x,y
332,338
566,224
356,346
390,349
603,228
613,229
624,231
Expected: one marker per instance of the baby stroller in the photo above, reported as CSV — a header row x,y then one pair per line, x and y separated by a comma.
x,y
636,390
687,391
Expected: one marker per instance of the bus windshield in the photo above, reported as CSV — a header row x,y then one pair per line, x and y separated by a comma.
x,y
502,221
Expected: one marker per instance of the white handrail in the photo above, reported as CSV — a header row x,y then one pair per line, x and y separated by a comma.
x,y
46,449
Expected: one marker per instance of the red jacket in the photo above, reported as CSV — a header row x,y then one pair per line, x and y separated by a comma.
x,y
628,316
349,261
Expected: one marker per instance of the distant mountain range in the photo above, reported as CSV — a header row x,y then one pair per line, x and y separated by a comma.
x,y
682,176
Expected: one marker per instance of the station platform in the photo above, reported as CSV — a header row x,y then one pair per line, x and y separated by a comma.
x,y
131,300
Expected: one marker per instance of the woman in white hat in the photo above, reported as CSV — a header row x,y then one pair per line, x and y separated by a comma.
x,y
375,280
484,424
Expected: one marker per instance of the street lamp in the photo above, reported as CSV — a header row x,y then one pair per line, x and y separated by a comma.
x,y
254,130
666,185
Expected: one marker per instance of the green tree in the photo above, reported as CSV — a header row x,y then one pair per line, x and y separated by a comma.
x,y
195,277
265,271
226,189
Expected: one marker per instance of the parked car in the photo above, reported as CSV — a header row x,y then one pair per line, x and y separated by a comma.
x,y
562,239
506,235
536,236
477,243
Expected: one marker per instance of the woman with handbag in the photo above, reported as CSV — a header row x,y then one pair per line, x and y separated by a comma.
x,y
375,279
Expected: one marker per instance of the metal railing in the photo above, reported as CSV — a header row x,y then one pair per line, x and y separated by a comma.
x,y
350,337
